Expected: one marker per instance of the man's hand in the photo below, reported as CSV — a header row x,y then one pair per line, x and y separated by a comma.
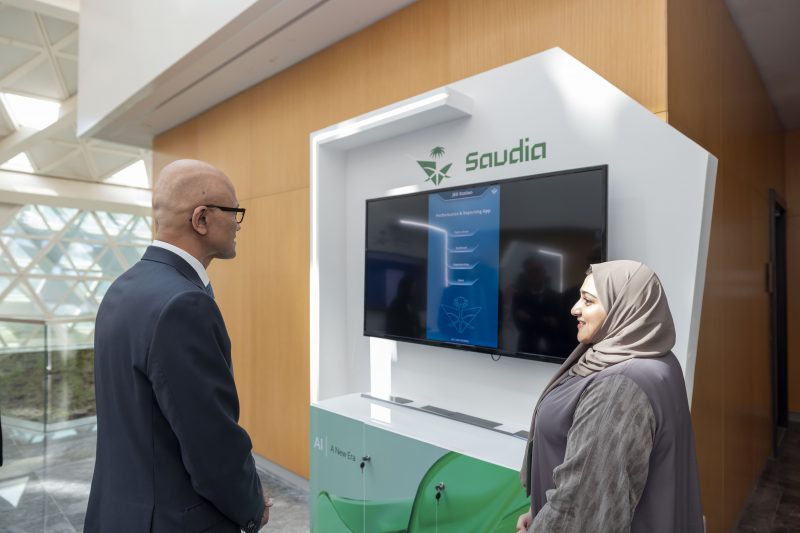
x,y
524,522
265,516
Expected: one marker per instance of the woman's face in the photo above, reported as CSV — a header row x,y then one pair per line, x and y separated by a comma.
x,y
589,311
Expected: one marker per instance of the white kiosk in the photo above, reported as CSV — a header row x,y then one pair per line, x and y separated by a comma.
x,y
392,443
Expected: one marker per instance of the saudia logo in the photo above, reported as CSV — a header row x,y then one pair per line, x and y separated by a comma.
x,y
519,154
436,175
525,151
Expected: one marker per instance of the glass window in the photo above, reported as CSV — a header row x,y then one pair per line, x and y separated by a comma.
x,y
32,223
132,254
60,261
6,266
86,228
140,231
19,302
114,223
23,250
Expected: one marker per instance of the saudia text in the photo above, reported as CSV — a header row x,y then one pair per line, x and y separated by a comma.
x,y
525,151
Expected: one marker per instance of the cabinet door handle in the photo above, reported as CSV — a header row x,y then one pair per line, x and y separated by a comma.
x,y
365,460
439,490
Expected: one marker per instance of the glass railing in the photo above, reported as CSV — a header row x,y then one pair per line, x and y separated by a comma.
x,y
47,413
70,374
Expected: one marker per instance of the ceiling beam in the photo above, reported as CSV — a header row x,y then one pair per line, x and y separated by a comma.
x,y
47,169
16,43
52,59
61,9
23,188
24,138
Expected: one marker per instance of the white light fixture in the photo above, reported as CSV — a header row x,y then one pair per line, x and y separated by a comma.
x,y
19,162
134,175
30,112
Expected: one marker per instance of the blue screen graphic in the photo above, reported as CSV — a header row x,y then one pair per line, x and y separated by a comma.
x,y
463,266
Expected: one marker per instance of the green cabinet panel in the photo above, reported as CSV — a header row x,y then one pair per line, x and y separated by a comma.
x,y
392,477
460,493
396,489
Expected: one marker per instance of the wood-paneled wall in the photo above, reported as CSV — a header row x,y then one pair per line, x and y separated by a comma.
x,y
716,97
792,199
260,138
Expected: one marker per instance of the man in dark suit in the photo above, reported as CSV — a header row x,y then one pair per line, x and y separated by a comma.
x,y
171,455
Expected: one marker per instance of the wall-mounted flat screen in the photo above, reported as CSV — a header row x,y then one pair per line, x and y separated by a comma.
x,y
492,267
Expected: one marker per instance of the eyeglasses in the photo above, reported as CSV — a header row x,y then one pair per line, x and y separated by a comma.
x,y
238,210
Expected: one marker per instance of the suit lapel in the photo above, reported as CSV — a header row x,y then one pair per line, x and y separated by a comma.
x,y
160,255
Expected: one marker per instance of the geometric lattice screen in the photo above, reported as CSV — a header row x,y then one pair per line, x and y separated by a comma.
x,y
58,262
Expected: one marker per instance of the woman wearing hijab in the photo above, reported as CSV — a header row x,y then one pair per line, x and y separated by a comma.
x,y
611,446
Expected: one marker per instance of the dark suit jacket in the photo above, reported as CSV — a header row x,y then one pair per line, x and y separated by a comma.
x,y
171,455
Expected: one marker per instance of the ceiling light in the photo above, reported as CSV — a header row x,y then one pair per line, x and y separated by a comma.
x,y
19,162
134,175
31,112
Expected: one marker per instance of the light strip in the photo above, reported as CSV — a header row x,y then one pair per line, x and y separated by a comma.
x,y
347,129
314,273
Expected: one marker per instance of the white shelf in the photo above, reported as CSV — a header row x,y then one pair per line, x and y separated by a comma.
x,y
480,443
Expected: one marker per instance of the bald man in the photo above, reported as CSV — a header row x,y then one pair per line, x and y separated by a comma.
x,y
171,455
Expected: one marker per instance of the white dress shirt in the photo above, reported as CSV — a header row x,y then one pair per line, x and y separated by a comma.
x,y
189,258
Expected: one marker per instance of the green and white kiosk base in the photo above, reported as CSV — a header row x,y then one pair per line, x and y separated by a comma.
x,y
382,467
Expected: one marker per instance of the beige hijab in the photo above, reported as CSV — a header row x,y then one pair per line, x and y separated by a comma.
x,y
638,324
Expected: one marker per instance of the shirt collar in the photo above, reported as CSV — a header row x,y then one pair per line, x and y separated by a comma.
x,y
189,258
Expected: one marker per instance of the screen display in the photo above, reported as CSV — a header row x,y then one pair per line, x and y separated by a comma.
x,y
492,267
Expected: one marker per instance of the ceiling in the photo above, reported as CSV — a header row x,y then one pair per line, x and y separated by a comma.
x,y
262,41
770,29
39,58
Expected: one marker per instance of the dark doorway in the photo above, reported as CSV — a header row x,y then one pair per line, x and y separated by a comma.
x,y
777,288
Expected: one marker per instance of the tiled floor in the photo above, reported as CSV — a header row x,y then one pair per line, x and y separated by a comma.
x,y
774,505
44,486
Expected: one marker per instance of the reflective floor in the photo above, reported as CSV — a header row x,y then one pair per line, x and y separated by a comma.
x,y
44,483
774,505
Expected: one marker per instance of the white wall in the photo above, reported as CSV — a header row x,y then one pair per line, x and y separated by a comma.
x,y
125,46
660,198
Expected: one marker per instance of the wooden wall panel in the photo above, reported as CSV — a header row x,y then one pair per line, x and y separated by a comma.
x,y
432,43
223,139
277,278
708,402
394,59
745,362
601,33
235,299
792,198
752,132
178,143
717,98
694,65
263,295
261,137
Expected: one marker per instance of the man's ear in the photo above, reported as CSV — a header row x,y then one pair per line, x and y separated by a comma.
x,y
199,220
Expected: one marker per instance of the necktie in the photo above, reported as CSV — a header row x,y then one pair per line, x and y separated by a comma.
x,y
209,290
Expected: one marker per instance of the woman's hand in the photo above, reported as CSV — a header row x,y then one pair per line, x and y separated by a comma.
x,y
524,522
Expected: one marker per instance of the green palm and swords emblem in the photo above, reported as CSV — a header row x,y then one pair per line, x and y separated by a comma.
x,y
436,175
